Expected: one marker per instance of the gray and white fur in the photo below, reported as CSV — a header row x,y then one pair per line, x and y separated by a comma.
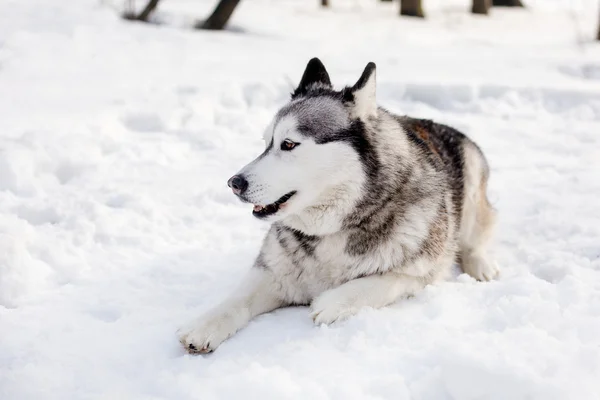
x,y
366,207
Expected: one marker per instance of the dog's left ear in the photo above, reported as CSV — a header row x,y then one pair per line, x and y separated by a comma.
x,y
363,93
314,74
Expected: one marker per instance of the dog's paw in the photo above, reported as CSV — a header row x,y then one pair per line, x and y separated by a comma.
x,y
207,333
480,268
331,306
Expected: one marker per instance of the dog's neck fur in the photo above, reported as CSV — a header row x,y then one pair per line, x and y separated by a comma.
x,y
327,216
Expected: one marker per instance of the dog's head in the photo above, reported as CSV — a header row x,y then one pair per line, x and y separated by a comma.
x,y
315,148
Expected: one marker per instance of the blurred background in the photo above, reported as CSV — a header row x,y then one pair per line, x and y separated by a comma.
x,y
121,120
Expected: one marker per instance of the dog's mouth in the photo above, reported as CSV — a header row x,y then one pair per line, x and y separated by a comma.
x,y
270,209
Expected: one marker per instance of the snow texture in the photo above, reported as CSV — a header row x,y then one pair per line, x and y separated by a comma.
x,y
116,226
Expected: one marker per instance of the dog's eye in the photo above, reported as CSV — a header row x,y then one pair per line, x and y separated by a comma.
x,y
288,145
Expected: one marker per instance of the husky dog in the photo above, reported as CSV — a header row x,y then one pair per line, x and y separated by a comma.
x,y
365,207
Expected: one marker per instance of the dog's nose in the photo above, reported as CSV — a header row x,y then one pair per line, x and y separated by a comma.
x,y
238,184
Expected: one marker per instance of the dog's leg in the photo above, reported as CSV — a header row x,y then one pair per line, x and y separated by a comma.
x,y
478,219
374,291
255,296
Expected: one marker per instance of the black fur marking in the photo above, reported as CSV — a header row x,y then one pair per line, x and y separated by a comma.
x,y
314,74
260,262
307,242
369,236
356,136
296,244
364,78
296,241
280,237
296,304
371,223
347,95
376,187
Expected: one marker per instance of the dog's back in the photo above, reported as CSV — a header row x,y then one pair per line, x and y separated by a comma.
x,y
467,174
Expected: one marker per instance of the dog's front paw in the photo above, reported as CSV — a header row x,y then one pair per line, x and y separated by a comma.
x,y
331,306
207,333
480,268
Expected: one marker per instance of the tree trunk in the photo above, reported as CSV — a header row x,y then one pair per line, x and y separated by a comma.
x,y
325,3
507,3
411,8
218,19
598,35
145,14
481,6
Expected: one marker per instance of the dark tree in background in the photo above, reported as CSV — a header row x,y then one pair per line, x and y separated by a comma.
x,y
218,19
411,8
224,9
507,3
481,6
598,35
144,15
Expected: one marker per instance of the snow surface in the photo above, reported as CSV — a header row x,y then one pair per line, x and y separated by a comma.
x,y
116,226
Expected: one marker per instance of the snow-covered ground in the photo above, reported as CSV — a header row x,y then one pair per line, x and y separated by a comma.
x,y
116,226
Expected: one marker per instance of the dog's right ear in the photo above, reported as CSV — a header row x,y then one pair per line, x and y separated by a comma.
x,y
315,74
363,94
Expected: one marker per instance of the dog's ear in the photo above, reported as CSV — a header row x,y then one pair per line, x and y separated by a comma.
x,y
363,94
314,74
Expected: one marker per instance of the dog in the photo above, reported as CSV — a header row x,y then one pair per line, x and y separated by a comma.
x,y
365,206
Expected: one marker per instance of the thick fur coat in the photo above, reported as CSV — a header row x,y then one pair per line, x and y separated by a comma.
x,y
365,207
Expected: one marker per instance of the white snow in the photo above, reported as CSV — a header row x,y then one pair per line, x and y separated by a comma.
x,y
116,226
